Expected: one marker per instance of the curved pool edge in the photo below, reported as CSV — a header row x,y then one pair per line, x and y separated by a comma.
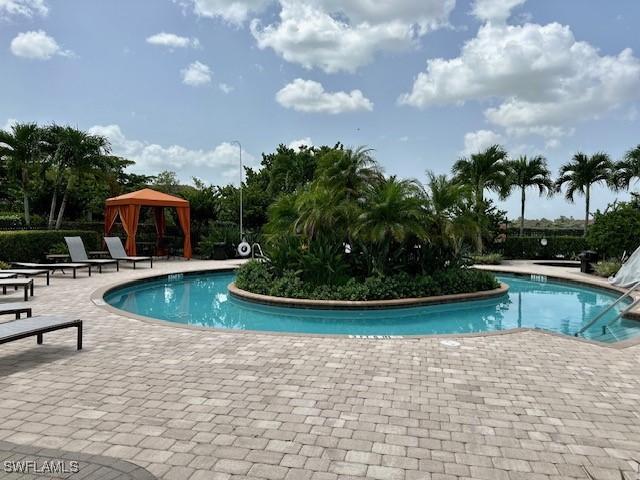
x,y
97,299
245,295
582,282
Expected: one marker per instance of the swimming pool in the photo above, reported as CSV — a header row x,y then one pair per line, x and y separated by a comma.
x,y
202,299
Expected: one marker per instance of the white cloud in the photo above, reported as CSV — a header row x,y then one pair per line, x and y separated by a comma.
x,y
232,11
227,89
425,14
172,40
312,35
332,34
542,78
552,143
196,74
25,8
219,165
480,140
9,123
309,96
495,10
297,144
36,45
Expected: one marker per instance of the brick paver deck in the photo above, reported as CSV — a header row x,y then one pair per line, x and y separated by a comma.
x,y
202,405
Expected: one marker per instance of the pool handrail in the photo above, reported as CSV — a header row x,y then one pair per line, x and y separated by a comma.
x,y
629,308
606,310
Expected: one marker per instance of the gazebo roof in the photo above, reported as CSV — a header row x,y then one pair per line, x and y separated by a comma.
x,y
150,197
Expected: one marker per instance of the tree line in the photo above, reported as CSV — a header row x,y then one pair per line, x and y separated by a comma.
x,y
57,166
493,170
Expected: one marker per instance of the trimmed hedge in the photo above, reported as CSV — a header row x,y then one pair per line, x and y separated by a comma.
x,y
531,248
258,277
33,245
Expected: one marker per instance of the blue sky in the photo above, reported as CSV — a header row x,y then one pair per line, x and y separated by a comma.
x,y
172,82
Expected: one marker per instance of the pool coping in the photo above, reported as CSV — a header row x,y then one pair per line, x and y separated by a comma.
x,y
303,303
97,298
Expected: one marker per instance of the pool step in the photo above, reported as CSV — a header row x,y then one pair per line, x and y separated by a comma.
x,y
621,329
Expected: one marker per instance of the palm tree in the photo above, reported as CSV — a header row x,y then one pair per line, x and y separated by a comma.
x,y
80,155
394,211
450,218
581,173
282,215
483,171
320,211
54,141
21,150
628,169
530,172
348,172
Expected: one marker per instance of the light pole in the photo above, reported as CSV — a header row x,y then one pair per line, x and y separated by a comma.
x,y
240,148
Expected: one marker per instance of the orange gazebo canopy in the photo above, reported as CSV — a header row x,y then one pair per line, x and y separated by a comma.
x,y
148,197
127,207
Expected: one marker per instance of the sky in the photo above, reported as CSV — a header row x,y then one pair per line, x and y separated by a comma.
x,y
172,83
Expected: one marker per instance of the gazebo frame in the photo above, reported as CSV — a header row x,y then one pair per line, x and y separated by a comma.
x,y
128,206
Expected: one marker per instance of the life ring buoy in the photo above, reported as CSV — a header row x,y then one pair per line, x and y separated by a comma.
x,y
244,249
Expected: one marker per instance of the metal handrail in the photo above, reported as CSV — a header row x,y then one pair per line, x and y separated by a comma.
x,y
254,247
606,310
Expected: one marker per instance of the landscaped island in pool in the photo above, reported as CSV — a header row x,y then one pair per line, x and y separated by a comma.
x,y
203,299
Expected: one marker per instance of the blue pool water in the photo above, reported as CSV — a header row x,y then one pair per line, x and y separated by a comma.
x,y
203,299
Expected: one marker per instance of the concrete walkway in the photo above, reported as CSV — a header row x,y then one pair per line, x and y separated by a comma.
x,y
198,404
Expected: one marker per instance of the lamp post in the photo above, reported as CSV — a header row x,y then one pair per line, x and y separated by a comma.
x,y
240,149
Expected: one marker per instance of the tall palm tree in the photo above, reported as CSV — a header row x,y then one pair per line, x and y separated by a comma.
x,y
530,172
80,155
394,211
628,169
580,174
21,150
54,140
483,171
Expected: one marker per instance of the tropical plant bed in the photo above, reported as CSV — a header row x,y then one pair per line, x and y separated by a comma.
x,y
258,278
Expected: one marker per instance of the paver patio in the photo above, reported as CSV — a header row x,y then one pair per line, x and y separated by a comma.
x,y
201,404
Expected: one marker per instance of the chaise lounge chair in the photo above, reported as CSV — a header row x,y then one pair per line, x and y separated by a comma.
x,y
78,254
116,250
37,326
27,272
54,266
25,283
14,309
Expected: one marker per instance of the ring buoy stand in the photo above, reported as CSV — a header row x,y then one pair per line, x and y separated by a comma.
x,y
244,249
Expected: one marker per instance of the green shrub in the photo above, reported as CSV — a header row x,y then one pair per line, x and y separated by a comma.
x,y
487,259
218,241
4,265
615,231
260,277
11,221
607,268
532,248
33,245
59,248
